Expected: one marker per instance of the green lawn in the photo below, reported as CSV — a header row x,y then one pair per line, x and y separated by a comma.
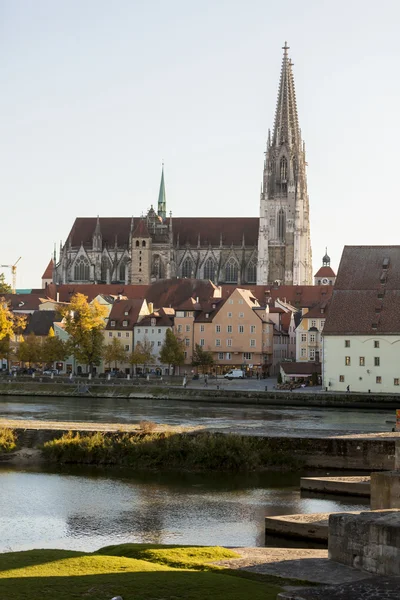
x,y
133,571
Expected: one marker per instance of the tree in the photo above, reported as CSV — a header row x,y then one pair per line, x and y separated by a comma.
x,y
6,351
142,354
114,352
84,323
4,287
10,325
202,358
54,349
172,352
30,350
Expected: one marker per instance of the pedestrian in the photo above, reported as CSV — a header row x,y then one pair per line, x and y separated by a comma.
x,y
206,380
258,375
184,383
348,388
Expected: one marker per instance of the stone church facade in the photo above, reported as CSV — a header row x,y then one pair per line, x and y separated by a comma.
x,y
248,250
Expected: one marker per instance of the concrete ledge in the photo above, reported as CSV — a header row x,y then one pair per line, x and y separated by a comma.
x,y
307,527
377,588
343,486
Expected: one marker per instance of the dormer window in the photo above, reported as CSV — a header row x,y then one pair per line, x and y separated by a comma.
x,y
112,323
125,323
153,322
126,313
207,315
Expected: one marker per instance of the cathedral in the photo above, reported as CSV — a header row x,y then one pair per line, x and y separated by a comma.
x,y
238,250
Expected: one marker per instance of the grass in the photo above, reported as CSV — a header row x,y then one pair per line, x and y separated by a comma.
x,y
166,450
8,440
139,572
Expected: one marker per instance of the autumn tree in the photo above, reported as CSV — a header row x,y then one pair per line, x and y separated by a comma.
x,y
114,353
202,358
30,350
84,324
4,287
142,354
172,352
54,349
10,325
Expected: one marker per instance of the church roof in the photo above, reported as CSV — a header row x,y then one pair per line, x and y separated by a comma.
x,y
48,274
141,230
325,272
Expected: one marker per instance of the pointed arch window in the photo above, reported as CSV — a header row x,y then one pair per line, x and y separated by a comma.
x,y
209,269
252,272
122,271
81,269
281,225
283,168
187,268
104,268
231,271
157,267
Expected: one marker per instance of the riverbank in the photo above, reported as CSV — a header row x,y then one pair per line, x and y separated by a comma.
x,y
215,393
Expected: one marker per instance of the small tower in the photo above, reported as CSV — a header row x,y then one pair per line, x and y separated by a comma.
x,y
97,239
325,275
141,254
162,199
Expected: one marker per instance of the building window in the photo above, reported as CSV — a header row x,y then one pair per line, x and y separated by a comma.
x,y
252,272
110,334
179,328
127,347
253,343
231,271
396,381
362,361
202,342
247,355
220,356
347,361
313,323
281,225
217,328
104,268
379,379
158,343
241,315
119,334
201,329
229,329
138,330
228,356
209,269
322,323
303,352
217,342
185,354
187,328
146,331
187,342
303,337
312,354
230,301
312,337
187,268
125,323
159,330
127,334
81,269
252,328
347,343
122,271
229,342
112,323
241,328
341,378
229,315
377,361
376,344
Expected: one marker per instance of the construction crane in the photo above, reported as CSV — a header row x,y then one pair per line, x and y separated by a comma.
x,y
13,273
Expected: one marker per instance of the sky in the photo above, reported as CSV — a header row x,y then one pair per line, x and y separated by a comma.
x,y
95,95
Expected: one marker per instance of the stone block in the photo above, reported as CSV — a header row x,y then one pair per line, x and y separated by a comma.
x,y
385,490
369,541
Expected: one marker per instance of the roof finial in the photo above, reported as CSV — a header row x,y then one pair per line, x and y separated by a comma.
x,y
285,48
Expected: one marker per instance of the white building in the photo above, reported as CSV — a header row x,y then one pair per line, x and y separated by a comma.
x,y
153,328
361,336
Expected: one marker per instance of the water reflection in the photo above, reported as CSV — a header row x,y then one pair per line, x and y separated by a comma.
x,y
81,508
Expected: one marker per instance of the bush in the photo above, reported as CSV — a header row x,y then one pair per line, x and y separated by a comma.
x,y
8,440
147,426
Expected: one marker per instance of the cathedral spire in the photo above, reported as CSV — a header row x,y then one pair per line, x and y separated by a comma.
x,y
162,200
286,126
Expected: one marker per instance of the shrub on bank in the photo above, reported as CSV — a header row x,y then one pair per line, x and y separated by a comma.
x,y
196,452
8,440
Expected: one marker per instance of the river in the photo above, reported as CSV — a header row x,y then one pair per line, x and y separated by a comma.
x,y
86,508
254,420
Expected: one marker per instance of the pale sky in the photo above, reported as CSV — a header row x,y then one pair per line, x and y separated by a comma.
x,y
96,94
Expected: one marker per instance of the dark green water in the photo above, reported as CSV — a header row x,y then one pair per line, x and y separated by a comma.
x,y
81,508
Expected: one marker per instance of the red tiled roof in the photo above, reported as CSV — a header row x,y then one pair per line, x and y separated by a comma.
x,y
118,310
91,290
141,230
315,312
325,272
23,302
299,296
48,274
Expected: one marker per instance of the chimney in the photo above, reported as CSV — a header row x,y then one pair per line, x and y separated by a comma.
x,y
151,307
58,296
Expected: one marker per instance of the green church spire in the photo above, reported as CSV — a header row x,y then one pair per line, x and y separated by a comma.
x,y
162,200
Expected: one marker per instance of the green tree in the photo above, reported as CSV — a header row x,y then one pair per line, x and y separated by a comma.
x,y
30,350
172,352
202,358
142,354
84,324
4,287
54,349
114,352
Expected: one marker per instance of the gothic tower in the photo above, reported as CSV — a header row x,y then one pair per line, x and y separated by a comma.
x,y
284,246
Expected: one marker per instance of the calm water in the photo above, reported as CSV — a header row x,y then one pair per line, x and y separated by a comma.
x,y
223,417
84,509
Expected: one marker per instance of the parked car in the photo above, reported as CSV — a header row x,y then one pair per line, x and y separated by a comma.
x,y
50,372
234,374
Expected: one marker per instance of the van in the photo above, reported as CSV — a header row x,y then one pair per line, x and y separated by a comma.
x,y
234,374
